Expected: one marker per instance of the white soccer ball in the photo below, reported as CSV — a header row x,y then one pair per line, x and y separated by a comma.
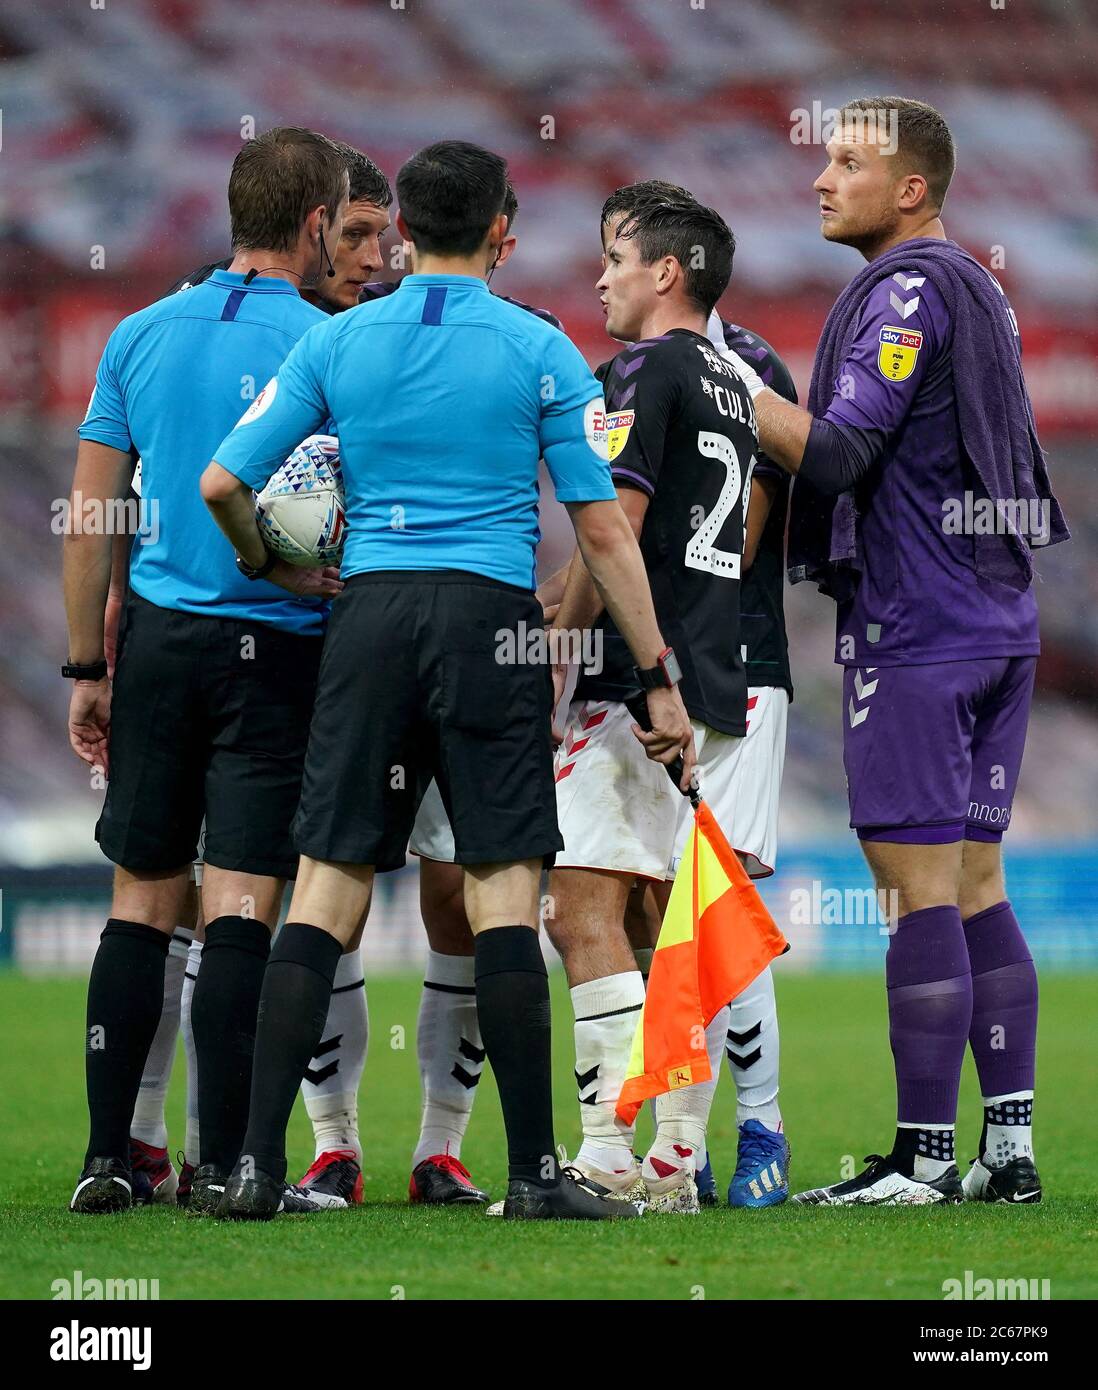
x,y
300,510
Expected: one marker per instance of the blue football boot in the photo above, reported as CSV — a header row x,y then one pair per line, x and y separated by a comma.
x,y
707,1187
761,1178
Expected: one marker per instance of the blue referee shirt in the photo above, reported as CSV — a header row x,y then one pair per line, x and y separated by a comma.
x,y
173,380
444,397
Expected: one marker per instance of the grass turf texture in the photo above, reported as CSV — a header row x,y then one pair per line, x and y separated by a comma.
x,y
837,1098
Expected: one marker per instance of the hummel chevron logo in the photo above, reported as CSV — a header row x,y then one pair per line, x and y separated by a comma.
x,y
744,1060
322,1073
865,688
903,307
475,1056
909,282
585,1079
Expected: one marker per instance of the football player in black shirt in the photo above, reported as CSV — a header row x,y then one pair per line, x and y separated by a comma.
x,y
748,1030
682,445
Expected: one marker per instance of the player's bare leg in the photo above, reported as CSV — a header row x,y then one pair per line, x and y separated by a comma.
x,y
125,1001
930,1013
449,1047
586,923
331,1081
1003,1035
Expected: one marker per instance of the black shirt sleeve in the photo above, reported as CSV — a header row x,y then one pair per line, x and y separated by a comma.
x,y
642,395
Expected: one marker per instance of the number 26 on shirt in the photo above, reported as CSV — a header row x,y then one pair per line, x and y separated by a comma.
x,y
701,553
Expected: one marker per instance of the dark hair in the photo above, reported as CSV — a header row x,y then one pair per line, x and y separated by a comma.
x,y
625,199
368,183
923,140
449,195
510,206
277,179
666,220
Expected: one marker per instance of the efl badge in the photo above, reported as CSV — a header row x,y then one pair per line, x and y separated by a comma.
x,y
618,426
679,1077
898,352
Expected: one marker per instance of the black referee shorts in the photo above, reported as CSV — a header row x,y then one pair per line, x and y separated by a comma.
x,y
410,689
209,716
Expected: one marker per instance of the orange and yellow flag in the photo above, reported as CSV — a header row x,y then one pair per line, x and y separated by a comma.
x,y
717,936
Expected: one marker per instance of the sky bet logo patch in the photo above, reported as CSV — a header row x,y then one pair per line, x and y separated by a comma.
x,y
618,426
898,352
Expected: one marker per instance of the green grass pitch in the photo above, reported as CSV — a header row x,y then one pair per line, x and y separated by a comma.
x,y
837,1098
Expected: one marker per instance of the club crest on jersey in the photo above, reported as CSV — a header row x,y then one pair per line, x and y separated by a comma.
x,y
898,352
618,426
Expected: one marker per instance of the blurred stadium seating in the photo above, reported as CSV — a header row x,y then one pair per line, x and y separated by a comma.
x,y
119,126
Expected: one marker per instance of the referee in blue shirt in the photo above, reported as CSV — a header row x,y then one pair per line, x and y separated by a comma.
x,y
217,664
444,397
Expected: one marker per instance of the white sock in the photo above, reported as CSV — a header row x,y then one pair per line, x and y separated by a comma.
x,y
194,960
148,1123
450,1052
934,1150
331,1080
606,1013
751,1047
1009,1124
683,1115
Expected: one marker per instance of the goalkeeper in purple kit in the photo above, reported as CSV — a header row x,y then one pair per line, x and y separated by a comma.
x,y
917,404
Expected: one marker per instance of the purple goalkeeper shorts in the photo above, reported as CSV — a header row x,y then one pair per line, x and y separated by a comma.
x,y
932,753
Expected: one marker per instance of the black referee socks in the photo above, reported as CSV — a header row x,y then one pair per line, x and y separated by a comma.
x,y
223,1014
513,1008
125,999
293,1007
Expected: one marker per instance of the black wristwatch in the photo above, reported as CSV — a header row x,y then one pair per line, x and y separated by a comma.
x,y
92,671
665,675
262,571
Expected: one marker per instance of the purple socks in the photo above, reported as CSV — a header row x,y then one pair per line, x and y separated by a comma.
x,y
930,991
1004,1001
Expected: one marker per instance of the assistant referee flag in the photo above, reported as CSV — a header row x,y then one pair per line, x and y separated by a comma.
x,y
717,936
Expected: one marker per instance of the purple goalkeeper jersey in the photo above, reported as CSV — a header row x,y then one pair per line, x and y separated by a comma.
x,y
919,598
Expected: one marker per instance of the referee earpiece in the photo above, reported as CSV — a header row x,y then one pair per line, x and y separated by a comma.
x,y
330,272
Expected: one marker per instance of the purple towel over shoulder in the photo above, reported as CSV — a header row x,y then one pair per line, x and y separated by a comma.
x,y
993,408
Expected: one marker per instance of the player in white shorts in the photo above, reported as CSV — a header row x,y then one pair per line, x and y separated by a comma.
x,y
638,824
682,443
621,825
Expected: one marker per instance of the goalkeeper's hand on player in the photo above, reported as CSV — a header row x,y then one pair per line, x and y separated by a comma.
x,y
90,722
671,734
314,583
747,374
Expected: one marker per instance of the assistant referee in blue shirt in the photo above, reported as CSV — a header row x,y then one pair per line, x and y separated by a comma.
x,y
216,667
443,397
